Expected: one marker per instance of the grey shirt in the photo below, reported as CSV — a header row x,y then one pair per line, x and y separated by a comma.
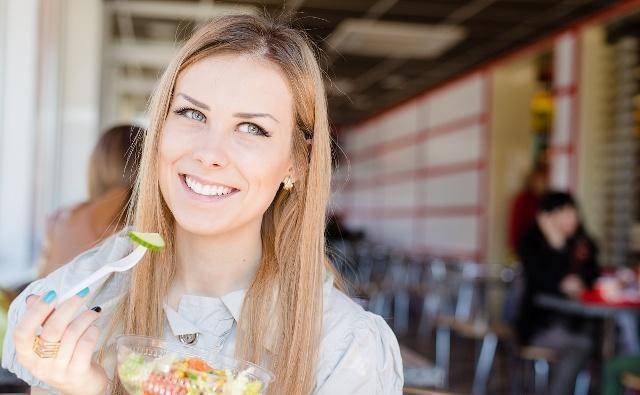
x,y
358,354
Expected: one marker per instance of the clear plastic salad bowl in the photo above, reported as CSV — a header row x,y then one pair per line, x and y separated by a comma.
x,y
150,366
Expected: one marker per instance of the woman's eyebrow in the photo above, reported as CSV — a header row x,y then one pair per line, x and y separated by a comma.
x,y
238,114
254,115
194,101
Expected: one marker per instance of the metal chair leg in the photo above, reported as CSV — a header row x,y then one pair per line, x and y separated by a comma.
x,y
464,301
376,303
387,306
424,316
430,307
401,312
443,344
583,381
485,361
541,378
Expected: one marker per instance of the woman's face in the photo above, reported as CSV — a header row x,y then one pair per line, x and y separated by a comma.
x,y
226,143
566,219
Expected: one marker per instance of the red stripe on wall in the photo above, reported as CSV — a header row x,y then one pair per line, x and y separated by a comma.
x,y
359,126
566,149
459,254
418,211
407,175
451,168
415,138
568,90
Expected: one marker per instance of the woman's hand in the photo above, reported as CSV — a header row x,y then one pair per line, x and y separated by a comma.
x,y
572,286
72,370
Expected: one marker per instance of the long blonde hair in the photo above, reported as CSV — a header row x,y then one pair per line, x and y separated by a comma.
x,y
283,305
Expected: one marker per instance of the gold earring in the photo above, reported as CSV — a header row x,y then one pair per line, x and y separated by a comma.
x,y
288,183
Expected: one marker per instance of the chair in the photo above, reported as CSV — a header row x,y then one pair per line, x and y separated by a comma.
x,y
469,319
435,296
472,318
393,278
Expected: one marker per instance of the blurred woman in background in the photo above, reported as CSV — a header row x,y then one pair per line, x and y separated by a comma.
x,y
112,171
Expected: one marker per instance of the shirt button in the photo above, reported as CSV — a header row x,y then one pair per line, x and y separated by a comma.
x,y
188,338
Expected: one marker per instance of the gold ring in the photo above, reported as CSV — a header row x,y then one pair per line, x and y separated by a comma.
x,y
45,349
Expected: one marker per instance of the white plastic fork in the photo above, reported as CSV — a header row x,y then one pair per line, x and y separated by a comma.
x,y
120,265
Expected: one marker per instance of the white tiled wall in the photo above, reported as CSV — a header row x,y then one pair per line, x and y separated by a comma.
x,y
416,171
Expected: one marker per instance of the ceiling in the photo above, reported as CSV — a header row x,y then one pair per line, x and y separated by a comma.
x,y
360,82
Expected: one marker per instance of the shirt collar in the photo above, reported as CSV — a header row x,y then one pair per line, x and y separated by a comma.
x,y
178,324
233,301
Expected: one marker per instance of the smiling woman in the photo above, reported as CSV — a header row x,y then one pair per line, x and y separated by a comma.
x,y
222,142
235,175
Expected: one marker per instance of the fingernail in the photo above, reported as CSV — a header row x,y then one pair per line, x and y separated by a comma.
x,y
97,309
83,293
49,296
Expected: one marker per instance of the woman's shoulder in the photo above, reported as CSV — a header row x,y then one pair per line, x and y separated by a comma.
x,y
343,319
341,312
357,350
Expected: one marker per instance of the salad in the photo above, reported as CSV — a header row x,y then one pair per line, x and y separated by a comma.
x,y
174,375
152,366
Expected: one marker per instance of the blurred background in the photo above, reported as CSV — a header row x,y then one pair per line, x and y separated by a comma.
x,y
452,121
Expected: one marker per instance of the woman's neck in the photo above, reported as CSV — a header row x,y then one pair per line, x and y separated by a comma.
x,y
216,265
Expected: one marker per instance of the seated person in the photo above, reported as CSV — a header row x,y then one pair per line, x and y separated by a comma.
x,y
558,258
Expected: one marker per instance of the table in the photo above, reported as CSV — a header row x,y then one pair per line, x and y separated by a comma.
x,y
607,313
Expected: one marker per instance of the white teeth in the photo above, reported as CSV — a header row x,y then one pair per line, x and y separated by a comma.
x,y
207,190
189,182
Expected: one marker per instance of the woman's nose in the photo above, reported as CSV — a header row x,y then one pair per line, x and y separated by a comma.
x,y
211,150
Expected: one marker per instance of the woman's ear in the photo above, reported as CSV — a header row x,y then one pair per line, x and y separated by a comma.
x,y
292,173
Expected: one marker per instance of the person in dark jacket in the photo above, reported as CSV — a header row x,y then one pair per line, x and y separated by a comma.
x,y
558,258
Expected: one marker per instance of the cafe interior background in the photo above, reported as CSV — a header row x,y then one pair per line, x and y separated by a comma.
x,y
439,110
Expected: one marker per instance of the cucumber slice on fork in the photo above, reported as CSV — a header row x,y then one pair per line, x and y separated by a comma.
x,y
145,241
152,241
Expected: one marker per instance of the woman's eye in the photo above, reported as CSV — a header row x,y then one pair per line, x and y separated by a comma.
x,y
191,114
252,128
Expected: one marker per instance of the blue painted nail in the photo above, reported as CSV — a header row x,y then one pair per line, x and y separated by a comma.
x,y
49,296
83,293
